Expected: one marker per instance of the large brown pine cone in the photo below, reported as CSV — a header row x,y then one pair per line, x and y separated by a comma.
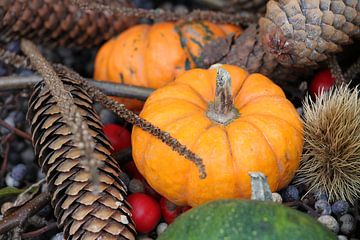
x,y
81,213
302,33
59,22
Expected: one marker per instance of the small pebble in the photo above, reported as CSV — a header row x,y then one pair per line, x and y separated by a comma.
x,y
19,117
347,224
18,146
330,222
24,72
323,207
145,238
135,186
58,236
3,70
322,196
6,206
291,193
28,154
300,110
19,172
161,228
10,119
340,208
13,46
342,237
276,197
10,181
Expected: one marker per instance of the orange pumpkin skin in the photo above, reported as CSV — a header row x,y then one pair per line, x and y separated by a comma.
x,y
153,55
266,137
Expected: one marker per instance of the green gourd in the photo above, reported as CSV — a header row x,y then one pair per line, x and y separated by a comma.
x,y
244,220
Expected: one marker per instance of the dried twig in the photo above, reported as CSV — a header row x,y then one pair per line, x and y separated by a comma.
x,y
38,232
18,217
15,130
5,157
134,119
65,102
243,18
110,89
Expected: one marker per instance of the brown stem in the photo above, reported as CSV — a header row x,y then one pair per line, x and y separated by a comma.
x,y
111,89
18,217
222,109
15,130
40,231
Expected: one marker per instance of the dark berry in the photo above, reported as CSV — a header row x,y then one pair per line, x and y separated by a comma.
x,y
291,193
19,172
340,208
323,207
13,46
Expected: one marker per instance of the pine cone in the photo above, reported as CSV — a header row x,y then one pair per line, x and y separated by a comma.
x,y
59,22
81,213
302,33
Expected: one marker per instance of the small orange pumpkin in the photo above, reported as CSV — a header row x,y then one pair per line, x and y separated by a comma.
x,y
247,127
153,55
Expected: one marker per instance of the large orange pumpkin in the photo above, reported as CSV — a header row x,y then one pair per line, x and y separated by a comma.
x,y
153,55
247,127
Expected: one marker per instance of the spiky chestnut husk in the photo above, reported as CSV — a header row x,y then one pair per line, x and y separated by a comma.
x,y
81,213
59,22
331,159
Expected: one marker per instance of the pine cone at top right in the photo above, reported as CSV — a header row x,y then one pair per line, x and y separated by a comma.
x,y
301,33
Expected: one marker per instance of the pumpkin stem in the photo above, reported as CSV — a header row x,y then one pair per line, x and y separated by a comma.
x,y
260,189
222,109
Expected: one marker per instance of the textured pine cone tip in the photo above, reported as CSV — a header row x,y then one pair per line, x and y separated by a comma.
x,y
61,22
303,33
81,213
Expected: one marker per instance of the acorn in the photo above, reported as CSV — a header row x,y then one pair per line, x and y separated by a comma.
x,y
331,159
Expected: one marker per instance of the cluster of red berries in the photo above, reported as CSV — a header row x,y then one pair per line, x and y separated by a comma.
x,y
147,207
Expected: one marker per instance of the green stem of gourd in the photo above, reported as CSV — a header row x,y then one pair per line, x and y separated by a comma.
x,y
222,109
260,189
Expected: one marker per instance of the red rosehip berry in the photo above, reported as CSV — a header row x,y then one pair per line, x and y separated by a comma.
x,y
169,210
322,81
145,212
119,137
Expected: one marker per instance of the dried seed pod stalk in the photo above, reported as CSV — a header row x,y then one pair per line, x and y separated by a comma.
x,y
331,160
81,213
234,5
302,33
59,22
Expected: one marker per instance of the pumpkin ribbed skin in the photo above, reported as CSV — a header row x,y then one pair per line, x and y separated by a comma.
x,y
153,55
267,137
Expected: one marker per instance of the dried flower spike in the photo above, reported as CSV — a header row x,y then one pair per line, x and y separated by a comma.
x,y
331,160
